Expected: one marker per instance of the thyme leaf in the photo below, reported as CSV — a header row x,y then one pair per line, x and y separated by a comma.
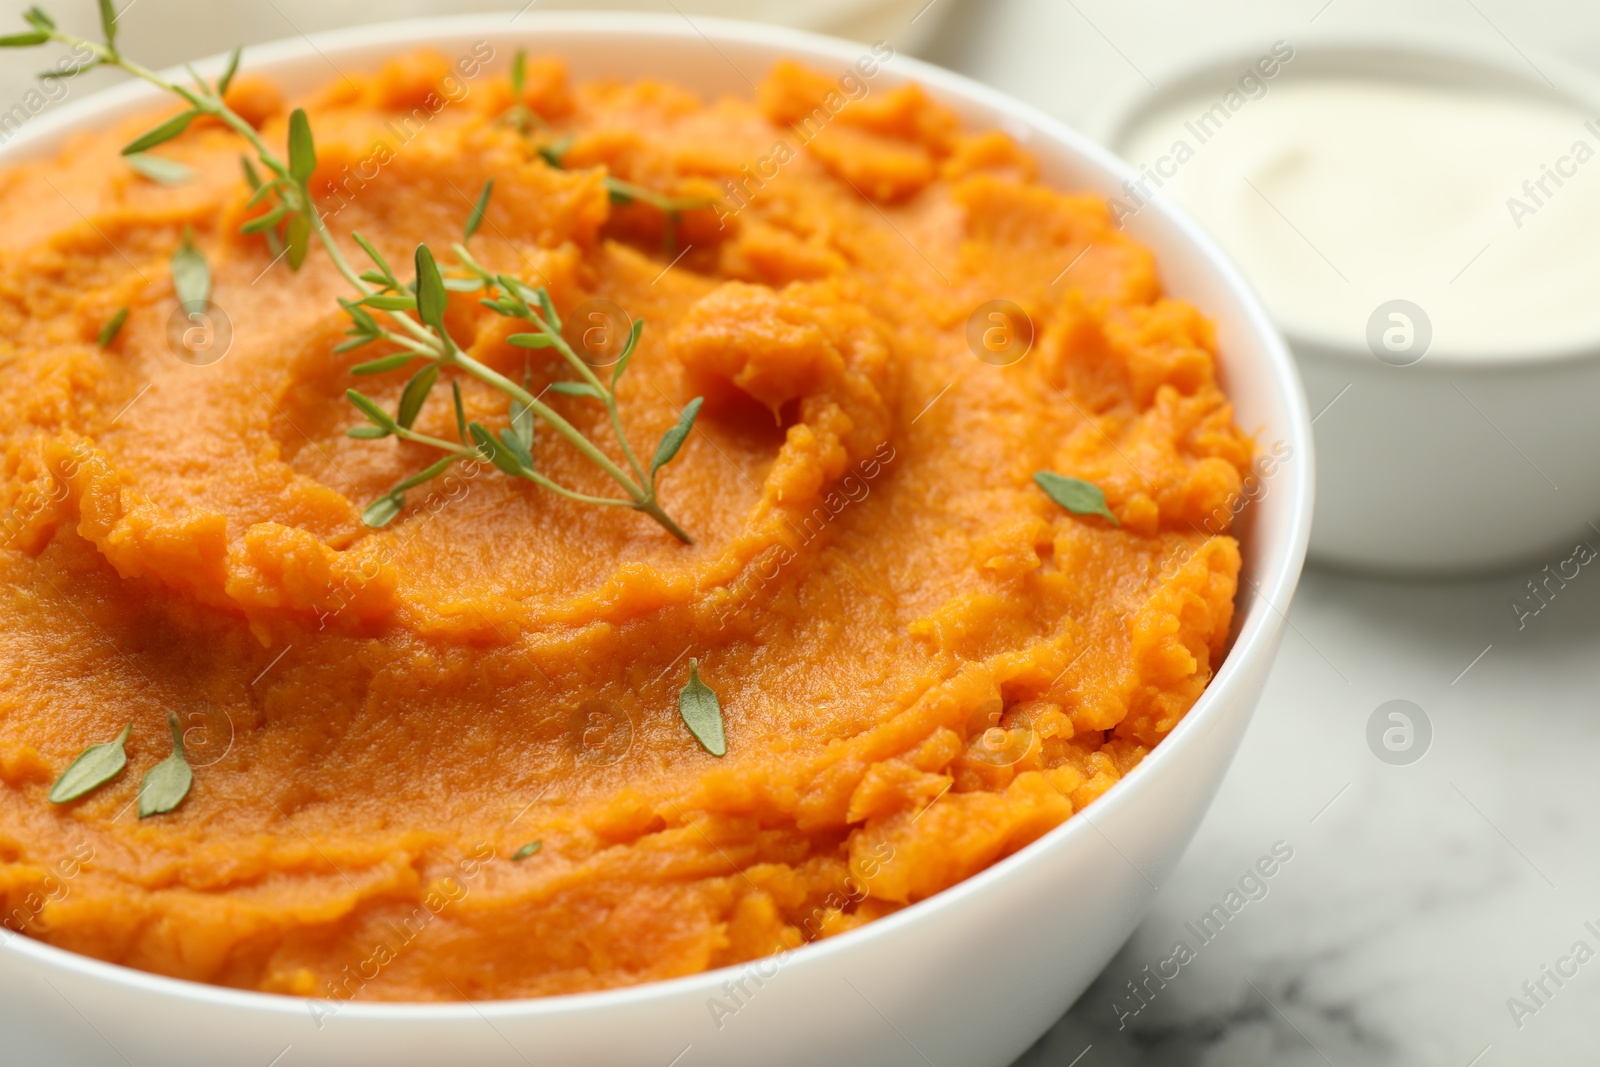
x,y
1075,494
94,767
298,236
380,418
161,134
416,392
384,365
191,275
673,439
382,511
627,352
702,713
108,22
302,152
431,296
167,783
112,327
517,447
160,169
495,450
475,219
233,68
461,417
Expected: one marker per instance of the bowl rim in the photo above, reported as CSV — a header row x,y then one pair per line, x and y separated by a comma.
x,y
1258,628
1382,54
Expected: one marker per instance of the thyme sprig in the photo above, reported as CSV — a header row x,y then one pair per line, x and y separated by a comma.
x,y
511,449
408,316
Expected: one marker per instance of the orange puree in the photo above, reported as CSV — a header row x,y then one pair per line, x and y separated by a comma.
x,y
923,662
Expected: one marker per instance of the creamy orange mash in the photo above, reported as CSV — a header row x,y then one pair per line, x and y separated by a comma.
x,y
923,662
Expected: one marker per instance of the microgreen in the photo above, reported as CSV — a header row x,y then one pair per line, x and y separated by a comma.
x,y
702,713
526,850
288,221
112,327
167,783
94,767
1075,494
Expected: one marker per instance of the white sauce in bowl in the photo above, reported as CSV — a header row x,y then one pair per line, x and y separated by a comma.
x,y
1341,194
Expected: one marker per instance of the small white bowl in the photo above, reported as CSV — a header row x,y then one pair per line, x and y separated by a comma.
x,y
1460,462
971,976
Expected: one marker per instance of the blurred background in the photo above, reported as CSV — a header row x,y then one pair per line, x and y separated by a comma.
x,y
1065,56
1422,893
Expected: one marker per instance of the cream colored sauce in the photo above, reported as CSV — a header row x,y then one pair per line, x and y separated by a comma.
x,y
1337,195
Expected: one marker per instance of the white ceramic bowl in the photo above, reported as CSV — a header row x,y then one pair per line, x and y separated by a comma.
x,y
1459,462
971,976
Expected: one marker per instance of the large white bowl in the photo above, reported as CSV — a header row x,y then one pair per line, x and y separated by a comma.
x,y
1457,462
969,977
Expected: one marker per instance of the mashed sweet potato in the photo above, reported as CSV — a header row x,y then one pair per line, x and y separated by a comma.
x,y
923,662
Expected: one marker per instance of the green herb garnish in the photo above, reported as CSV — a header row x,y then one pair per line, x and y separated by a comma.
x,y
526,850
702,713
519,116
191,276
231,69
94,767
475,219
624,192
161,134
1075,494
288,223
113,326
524,121
167,783
511,450
160,169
